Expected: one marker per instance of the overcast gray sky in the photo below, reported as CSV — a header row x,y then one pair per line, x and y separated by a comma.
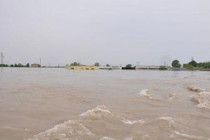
x,y
108,31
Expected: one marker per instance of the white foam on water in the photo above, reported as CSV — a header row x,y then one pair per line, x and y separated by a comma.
x,y
196,89
203,99
189,136
75,128
145,92
170,120
64,130
88,132
204,105
106,138
204,93
133,122
96,113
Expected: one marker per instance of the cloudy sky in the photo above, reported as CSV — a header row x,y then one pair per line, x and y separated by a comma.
x,y
150,32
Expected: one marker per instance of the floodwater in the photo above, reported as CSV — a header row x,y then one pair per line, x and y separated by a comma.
x,y
58,104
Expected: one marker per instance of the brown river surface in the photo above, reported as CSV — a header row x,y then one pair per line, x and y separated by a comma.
x,y
58,104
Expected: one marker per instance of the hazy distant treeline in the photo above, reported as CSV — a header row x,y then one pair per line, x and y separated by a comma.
x,y
192,65
15,65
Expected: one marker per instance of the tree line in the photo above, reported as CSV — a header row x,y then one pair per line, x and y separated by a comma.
x,y
15,65
192,65
79,64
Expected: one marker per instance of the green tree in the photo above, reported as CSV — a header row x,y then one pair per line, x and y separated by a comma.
x,y
163,68
97,64
193,63
75,64
203,65
188,66
20,65
207,65
176,64
3,65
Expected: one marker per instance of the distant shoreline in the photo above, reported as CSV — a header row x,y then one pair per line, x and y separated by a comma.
x,y
143,69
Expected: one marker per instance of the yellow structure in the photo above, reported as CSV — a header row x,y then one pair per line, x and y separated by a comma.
x,y
82,67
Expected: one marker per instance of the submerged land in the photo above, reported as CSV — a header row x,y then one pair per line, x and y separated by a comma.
x,y
175,65
61,104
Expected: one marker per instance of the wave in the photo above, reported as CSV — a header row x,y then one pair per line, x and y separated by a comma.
x,y
94,124
196,89
97,113
191,137
203,99
146,93
106,138
77,129
133,122
69,129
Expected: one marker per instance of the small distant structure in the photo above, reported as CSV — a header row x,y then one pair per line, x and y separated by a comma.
x,y
105,68
128,68
147,67
116,67
110,68
35,65
82,67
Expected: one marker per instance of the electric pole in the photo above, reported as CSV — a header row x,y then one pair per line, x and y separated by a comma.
x,y
40,61
2,58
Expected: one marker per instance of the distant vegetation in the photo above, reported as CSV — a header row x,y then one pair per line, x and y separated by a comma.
x,y
79,64
97,64
20,65
15,65
75,64
205,65
163,68
3,65
192,65
176,64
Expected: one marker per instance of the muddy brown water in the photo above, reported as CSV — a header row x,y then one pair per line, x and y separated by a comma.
x,y
58,104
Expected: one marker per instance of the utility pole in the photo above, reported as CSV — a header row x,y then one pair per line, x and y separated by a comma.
x,y
40,61
2,58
